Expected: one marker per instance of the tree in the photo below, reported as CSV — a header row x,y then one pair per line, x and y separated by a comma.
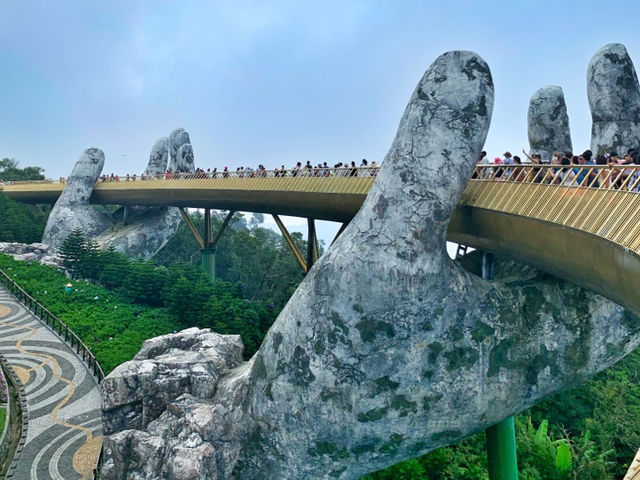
x,y
115,268
145,283
91,261
9,171
72,251
19,223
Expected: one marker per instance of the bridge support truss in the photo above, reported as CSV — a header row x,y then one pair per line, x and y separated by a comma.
x,y
501,437
209,243
313,251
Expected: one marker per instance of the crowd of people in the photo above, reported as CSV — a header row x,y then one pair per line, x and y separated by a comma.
x,y
563,168
299,170
606,170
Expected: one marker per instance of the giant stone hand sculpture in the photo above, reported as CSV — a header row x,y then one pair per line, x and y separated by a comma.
x,y
72,210
147,230
386,351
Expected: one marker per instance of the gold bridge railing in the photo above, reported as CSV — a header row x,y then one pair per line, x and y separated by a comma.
x,y
315,172
601,200
352,180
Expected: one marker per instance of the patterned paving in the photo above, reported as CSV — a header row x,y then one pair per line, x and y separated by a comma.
x,y
64,418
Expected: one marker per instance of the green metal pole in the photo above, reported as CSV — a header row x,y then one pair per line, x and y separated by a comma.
x,y
209,262
208,253
501,451
501,437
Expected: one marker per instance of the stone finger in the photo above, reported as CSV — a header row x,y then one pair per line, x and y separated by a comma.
x,y
180,162
159,157
614,100
548,123
72,209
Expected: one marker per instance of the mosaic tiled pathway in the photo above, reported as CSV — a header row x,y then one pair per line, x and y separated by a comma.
x,y
64,418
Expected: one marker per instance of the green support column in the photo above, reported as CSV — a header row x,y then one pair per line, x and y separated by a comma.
x,y
209,262
209,243
501,451
208,253
501,437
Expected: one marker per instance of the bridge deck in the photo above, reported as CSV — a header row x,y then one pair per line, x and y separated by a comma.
x,y
583,228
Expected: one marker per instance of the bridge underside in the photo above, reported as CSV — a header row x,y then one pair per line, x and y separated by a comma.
x,y
577,256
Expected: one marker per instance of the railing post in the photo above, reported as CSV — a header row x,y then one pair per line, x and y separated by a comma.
x,y
501,437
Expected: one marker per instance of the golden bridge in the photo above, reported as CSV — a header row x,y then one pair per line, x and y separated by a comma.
x,y
580,223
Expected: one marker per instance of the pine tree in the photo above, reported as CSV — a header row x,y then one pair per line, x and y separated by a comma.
x,y
72,251
114,268
91,261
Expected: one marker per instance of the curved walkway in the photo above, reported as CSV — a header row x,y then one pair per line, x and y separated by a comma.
x,y
64,431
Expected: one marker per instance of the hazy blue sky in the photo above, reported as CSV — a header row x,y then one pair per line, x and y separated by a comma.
x,y
275,82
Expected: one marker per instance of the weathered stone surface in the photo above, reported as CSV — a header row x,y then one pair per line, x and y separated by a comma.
x,y
614,99
191,361
158,158
184,158
148,229
72,210
37,252
388,349
548,123
183,162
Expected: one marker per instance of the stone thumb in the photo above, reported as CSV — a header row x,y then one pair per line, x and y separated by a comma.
x,y
72,209
440,136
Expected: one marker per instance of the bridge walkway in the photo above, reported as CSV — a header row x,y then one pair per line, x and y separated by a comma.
x,y
578,222
64,432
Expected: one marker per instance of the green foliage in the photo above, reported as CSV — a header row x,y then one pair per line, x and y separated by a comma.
x,y
255,257
110,324
114,267
144,283
563,457
539,455
72,251
20,223
3,416
9,171
465,461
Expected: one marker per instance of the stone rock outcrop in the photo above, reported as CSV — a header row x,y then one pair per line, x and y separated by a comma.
x,y
174,373
388,349
190,362
148,229
36,252
614,99
72,210
548,123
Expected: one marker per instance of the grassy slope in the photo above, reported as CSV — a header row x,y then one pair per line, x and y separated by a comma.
x,y
110,325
